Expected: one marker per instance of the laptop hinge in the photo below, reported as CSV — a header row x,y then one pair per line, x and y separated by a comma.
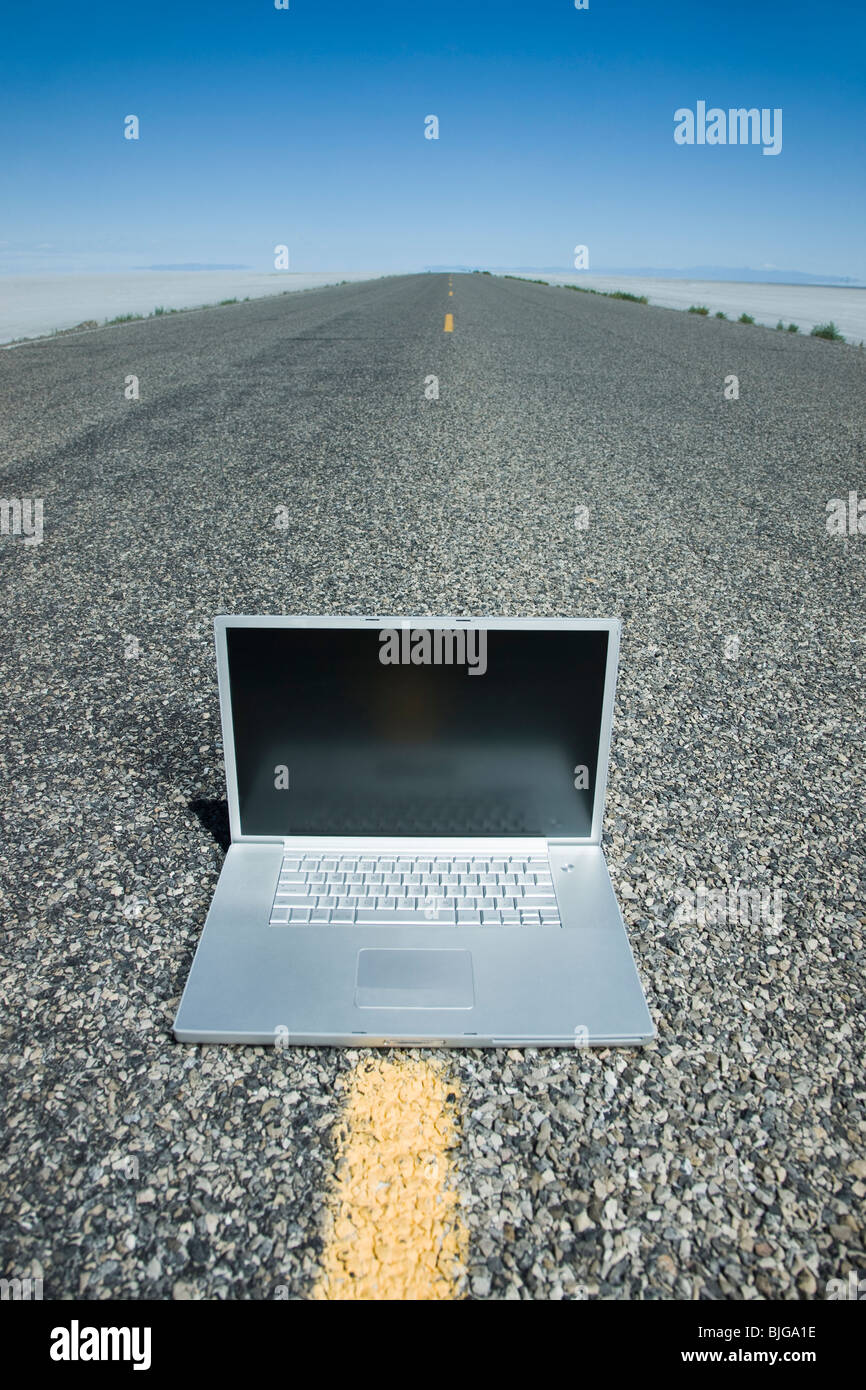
x,y
528,844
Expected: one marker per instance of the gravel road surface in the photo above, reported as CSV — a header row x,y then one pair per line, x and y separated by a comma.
x,y
724,1161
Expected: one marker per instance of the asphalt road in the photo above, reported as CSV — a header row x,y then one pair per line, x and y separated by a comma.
x,y
724,1161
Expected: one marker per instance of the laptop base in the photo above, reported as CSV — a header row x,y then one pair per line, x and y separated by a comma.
x,y
574,985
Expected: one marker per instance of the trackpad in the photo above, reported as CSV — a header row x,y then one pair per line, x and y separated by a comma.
x,y
414,979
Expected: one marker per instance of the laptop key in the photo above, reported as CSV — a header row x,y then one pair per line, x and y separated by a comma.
x,y
299,914
468,919
294,900
403,918
343,914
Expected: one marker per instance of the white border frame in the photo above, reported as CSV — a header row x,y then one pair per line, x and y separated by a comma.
x,y
613,626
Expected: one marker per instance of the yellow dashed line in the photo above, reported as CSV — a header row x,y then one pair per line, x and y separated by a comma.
x,y
449,323
394,1230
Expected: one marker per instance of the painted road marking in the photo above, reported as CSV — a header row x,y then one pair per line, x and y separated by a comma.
x,y
394,1229
449,323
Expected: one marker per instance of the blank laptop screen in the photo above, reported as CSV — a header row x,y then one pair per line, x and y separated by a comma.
x,y
373,731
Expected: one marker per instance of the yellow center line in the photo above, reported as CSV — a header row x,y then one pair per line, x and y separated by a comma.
x,y
393,1229
449,323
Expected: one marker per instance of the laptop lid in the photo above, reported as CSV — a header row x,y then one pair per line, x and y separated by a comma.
x,y
416,727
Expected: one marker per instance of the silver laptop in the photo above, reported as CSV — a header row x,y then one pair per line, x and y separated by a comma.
x,y
416,815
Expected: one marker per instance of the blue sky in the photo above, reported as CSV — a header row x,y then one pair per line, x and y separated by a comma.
x,y
306,127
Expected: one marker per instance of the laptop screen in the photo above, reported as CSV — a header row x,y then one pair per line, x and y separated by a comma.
x,y
416,731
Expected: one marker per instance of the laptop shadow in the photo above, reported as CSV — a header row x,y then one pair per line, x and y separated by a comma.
x,y
214,816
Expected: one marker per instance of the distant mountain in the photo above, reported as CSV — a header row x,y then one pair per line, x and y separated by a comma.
x,y
769,275
695,272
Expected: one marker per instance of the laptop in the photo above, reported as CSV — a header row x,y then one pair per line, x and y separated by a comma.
x,y
416,819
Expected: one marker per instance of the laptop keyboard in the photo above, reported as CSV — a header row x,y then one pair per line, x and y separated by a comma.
x,y
328,889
